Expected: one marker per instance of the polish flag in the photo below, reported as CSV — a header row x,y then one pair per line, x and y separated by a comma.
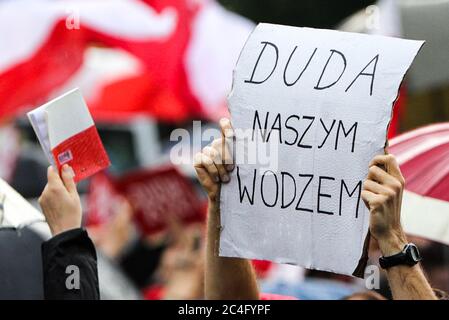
x,y
185,49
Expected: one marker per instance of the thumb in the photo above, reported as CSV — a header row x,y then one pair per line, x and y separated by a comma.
x,y
67,176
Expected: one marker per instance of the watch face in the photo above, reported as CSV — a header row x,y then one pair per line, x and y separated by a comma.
x,y
414,253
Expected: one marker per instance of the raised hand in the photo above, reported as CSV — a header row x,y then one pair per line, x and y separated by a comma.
x,y
214,162
60,201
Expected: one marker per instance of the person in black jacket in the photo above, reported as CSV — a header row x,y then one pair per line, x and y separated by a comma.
x,y
69,257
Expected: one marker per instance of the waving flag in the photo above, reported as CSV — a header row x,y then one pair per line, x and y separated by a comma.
x,y
185,51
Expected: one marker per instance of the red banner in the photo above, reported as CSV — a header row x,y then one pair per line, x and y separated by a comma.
x,y
158,196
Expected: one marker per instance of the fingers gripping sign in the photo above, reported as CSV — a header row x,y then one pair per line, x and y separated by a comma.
x,y
214,163
227,143
382,194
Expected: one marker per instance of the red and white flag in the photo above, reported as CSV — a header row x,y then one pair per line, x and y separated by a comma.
x,y
185,50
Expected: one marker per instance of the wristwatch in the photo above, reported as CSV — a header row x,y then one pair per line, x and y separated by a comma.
x,y
408,256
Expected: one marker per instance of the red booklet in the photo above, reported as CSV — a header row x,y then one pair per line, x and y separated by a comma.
x,y
67,134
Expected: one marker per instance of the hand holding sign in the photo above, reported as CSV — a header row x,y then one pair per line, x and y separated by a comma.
x,y
214,163
382,193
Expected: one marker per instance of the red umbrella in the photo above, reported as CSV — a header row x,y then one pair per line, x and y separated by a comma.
x,y
423,155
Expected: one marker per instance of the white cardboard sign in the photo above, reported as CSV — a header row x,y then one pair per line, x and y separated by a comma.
x,y
322,100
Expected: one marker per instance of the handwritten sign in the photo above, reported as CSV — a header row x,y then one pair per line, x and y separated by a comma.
x,y
320,102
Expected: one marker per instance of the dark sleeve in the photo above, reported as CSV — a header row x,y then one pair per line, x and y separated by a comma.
x,y
70,267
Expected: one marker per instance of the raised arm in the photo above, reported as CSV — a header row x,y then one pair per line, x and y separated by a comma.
x,y
382,193
69,258
225,278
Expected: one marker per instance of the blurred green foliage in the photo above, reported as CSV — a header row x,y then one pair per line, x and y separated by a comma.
x,y
307,13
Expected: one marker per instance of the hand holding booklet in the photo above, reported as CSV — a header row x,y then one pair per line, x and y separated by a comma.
x,y
67,134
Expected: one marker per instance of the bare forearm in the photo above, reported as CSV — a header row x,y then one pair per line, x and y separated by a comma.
x,y
226,278
409,283
406,283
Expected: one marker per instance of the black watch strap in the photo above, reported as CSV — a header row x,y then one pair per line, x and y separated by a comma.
x,y
408,256
391,261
